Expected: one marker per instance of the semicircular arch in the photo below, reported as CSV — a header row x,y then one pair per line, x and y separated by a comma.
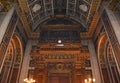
x,y
101,46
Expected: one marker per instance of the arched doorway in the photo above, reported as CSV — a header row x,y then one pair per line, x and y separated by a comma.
x,y
109,72
13,61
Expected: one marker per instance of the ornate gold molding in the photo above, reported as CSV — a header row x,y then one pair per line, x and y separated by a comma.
x,y
113,5
6,5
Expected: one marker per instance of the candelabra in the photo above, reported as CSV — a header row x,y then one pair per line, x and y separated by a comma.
x,y
90,80
27,80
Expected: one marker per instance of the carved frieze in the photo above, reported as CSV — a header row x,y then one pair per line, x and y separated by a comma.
x,y
57,61
59,67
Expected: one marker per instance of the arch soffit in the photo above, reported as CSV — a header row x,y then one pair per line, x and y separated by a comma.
x,y
102,41
17,43
10,50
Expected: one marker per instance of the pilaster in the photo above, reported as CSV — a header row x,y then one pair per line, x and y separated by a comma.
x,y
25,65
114,22
5,23
112,27
94,62
6,31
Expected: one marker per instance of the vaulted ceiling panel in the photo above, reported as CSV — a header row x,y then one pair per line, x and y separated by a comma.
x,y
82,11
59,7
39,10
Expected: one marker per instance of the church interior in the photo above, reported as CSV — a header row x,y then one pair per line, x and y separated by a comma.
x,y
59,41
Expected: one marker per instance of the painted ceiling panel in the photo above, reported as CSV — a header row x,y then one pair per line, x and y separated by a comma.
x,y
42,10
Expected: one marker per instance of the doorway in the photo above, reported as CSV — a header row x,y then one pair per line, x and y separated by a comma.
x,y
59,79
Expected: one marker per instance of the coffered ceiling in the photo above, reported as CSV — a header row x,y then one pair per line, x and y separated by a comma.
x,y
36,13
67,12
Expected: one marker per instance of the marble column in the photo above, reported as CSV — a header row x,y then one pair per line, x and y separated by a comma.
x,y
94,62
25,64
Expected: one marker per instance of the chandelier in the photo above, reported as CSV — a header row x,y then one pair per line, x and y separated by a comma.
x,y
27,80
90,80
